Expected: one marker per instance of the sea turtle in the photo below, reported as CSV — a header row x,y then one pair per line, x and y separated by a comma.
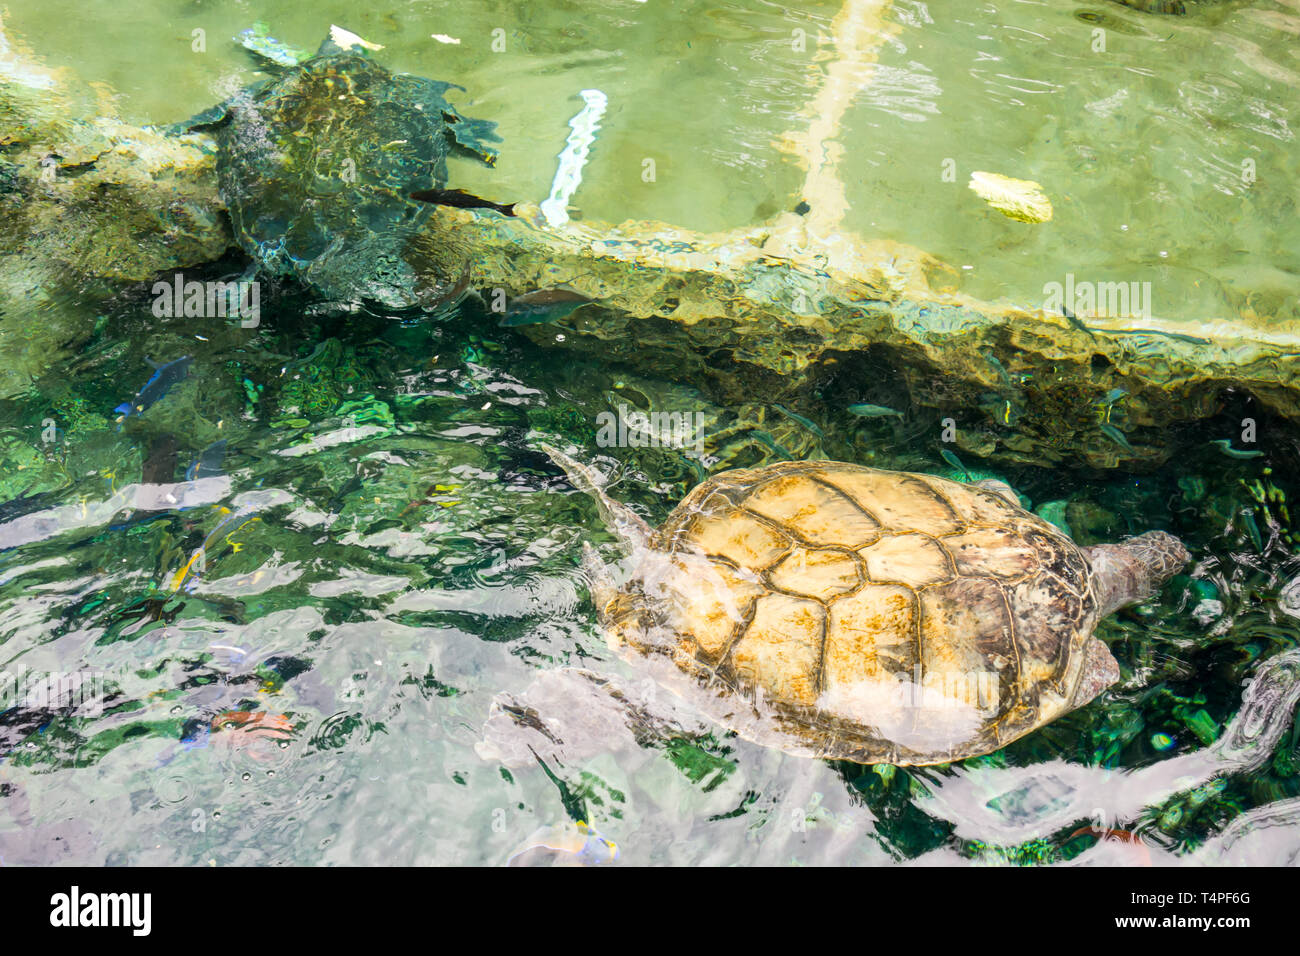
x,y
316,166
833,610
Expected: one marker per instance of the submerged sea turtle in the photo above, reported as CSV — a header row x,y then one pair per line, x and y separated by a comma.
x,y
832,610
317,166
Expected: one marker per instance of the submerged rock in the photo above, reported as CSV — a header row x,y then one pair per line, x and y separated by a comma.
x,y
770,311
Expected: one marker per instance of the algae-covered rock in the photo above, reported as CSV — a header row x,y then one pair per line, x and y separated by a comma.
x,y
767,311
86,191
86,202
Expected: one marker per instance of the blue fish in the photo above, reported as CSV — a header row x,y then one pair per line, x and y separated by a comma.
x,y
164,377
209,461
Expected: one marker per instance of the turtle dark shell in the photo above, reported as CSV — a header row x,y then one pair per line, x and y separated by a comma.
x,y
316,166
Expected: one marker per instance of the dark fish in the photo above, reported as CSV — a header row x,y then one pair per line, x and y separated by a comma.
x,y
544,305
1076,322
164,377
1176,336
461,200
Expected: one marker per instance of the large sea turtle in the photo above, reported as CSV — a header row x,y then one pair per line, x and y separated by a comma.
x,y
318,163
832,610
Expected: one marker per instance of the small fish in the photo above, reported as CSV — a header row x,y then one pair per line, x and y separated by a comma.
x,y
1225,446
461,200
1076,322
865,410
209,461
347,40
259,723
1113,396
257,735
453,296
164,377
806,423
763,438
1117,436
228,525
1003,409
953,460
1252,530
1176,336
544,305
998,367
569,844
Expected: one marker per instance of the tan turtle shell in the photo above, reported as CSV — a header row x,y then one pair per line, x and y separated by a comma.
x,y
867,615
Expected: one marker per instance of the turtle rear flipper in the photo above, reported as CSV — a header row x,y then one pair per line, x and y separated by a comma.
x,y
468,134
569,715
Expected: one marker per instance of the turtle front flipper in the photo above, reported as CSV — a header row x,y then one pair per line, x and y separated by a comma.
x,y
1100,670
599,581
630,527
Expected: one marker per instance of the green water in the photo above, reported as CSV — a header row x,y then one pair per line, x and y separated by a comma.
x,y
400,553
1139,135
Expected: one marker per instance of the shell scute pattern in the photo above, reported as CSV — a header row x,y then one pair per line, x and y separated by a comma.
x,y
835,588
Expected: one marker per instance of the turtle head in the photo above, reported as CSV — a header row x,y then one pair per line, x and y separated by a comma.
x,y
1134,569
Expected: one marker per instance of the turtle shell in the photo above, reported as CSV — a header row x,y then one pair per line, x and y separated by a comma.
x,y
868,615
316,167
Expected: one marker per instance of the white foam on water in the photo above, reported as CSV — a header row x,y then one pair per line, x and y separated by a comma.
x,y
574,157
